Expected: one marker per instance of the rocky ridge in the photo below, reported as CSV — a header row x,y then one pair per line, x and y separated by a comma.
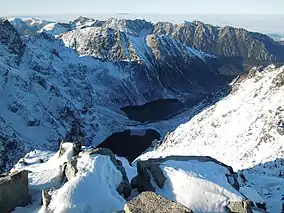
x,y
69,180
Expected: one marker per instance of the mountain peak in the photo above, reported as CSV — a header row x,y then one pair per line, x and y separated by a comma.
x,y
10,37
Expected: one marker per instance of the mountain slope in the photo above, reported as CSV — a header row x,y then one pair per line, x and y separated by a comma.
x,y
226,41
253,48
48,92
243,129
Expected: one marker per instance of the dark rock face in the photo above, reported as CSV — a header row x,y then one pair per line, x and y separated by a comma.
x,y
14,191
154,111
10,37
149,202
161,62
225,41
47,196
129,144
11,148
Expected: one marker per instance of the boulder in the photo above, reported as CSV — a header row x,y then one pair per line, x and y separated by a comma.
x,y
14,191
124,188
46,196
143,181
151,167
240,207
150,202
141,184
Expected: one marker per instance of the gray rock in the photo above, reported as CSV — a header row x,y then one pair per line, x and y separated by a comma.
x,y
71,169
150,202
46,196
240,206
77,148
14,191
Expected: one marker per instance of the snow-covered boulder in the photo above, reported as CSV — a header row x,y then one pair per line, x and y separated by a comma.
x,y
97,182
202,184
92,190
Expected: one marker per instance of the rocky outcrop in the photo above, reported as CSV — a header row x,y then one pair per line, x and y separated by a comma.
x,y
14,191
76,148
150,202
69,169
240,207
47,196
124,188
10,37
151,167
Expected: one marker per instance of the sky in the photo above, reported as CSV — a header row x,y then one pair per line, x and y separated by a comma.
x,y
234,12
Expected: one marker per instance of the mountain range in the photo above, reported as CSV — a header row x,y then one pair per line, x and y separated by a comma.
x,y
90,81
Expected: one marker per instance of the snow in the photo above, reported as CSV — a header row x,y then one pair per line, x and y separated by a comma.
x,y
269,188
131,171
240,130
42,175
92,190
201,186
251,194
241,121
54,29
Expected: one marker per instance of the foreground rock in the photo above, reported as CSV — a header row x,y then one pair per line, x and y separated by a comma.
x,y
14,191
93,173
200,183
150,202
151,167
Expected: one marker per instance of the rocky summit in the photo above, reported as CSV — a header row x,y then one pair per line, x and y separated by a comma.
x,y
118,115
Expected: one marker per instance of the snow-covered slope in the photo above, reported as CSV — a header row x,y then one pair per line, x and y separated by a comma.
x,y
244,130
29,26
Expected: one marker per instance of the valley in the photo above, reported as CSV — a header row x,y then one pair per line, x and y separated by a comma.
x,y
138,106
